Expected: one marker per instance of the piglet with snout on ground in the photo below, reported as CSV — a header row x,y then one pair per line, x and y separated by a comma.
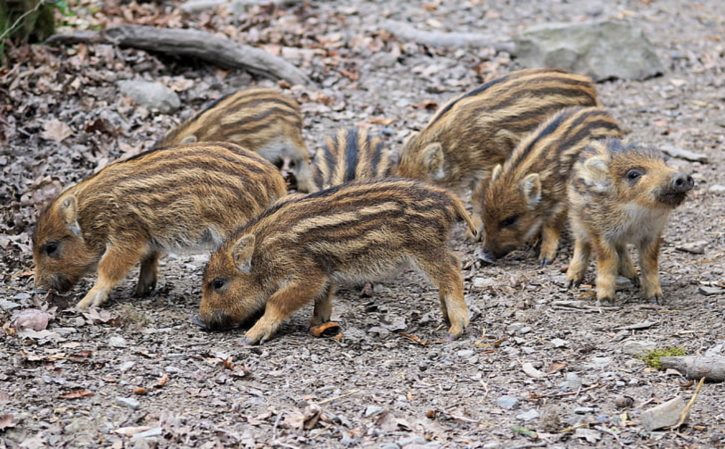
x,y
301,248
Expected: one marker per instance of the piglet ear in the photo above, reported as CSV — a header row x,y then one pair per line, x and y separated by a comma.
x,y
191,138
433,160
69,212
496,172
596,173
242,253
531,188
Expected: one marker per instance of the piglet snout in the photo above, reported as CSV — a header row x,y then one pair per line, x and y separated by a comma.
x,y
682,183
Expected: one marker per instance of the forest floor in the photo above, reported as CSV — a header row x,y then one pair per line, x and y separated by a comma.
x,y
540,365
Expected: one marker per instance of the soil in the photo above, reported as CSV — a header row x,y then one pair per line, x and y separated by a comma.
x,y
137,373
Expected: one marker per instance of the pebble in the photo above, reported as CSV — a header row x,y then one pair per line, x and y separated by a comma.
x,y
710,291
373,410
684,154
624,402
482,282
411,439
125,366
507,402
572,381
559,343
717,188
117,342
583,410
528,415
697,247
465,353
153,95
601,362
128,402
152,432
664,415
638,348
389,446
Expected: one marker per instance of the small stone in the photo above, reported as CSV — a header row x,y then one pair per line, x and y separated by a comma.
x,y
153,95
623,283
592,436
531,371
465,353
684,154
507,402
389,446
383,59
697,247
664,415
559,343
601,362
482,282
717,188
513,328
151,433
373,410
710,291
8,305
528,415
492,445
411,439
524,330
638,348
572,381
117,342
128,402
583,410
125,366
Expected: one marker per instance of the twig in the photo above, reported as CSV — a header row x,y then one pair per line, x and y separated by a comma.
x,y
568,393
22,16
191,43
405,31
686,411
349,393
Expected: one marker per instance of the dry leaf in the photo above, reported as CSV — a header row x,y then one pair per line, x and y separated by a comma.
x,y
33,319
163,380
55,130
320,330
414,338
381,121
77,394
6,421
555,367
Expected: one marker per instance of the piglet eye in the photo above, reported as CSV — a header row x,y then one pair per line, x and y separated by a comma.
x,y
218,283
51,248
634,174
509,221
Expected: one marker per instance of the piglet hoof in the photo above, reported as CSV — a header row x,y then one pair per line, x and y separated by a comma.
x,y
573,283
657,299
246,341
367,290
544,262
144,290
196,321
605,301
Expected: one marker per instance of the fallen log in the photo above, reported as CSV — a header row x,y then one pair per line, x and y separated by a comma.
x,y
408,32
192,43
712,368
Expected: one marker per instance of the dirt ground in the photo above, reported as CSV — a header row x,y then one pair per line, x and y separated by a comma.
x,y
391,380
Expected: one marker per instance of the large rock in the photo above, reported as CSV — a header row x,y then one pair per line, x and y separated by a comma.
x,y
151,94
601,49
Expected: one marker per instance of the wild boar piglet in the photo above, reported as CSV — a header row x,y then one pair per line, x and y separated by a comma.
x,y
473,133
352,154
621,194
526,196
262,120
184,198
301,248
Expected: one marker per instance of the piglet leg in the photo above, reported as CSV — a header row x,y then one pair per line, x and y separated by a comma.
x,y
282,304
114,266
649,251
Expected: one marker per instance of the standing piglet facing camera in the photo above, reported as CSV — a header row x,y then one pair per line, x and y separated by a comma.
x,y
186,198
261,120
617,195
301,248
526,196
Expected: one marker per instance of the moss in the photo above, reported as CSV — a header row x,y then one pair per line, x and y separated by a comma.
x,y
652,358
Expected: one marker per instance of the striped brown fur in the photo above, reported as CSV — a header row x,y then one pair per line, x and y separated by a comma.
x,y
179,198
300,249
618,195
352,154
260,119
526,196
468,136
